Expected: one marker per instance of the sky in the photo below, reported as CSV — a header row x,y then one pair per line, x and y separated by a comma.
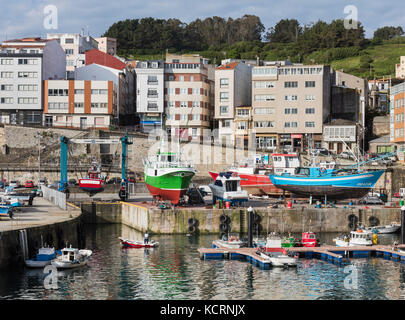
x,y
26,18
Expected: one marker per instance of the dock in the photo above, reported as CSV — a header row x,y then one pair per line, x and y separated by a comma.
x,y
330,254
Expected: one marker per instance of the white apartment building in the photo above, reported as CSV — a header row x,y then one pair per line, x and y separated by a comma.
x,y
400,68
150,94
79,104
188,95
24,64
290,104
75,46
233,88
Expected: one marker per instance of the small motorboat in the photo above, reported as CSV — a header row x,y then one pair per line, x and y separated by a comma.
x,y
227,188
359,237
72,258
43,258
280,259
138,244
232,242
308,239
390,228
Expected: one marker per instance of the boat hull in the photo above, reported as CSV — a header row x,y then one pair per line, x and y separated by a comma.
x,y
91,185
168,184
334,187
137,244
37,264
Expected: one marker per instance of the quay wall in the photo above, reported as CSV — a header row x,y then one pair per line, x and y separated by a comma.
x,y
12,249
295,220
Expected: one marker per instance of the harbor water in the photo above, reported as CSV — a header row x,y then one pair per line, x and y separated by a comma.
x,y
175,271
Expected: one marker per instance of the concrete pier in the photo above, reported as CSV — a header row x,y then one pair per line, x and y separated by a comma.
x,y
20,237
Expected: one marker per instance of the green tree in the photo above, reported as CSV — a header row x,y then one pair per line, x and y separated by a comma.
x,y
284,31
387,33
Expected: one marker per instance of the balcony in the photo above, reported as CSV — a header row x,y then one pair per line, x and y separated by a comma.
x,y
154,82
152,95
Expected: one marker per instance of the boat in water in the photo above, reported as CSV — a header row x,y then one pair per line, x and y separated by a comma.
x,y
138,244
333,184
43,258
390,228
94,182
167,177
227,188
274,252
308,239
231,242
72,258
357,238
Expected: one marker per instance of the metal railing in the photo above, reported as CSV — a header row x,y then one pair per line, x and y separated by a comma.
x,y
54,196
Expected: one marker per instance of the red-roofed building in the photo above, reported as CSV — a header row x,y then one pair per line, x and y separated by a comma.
x,y
104,59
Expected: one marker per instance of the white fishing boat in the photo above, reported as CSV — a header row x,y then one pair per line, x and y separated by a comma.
x,y
390,228
232,243
279,259
227,188
72,258
42,259
357,238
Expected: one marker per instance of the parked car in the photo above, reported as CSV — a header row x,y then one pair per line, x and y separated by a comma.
x,y
321,152
29,184
346,155
396,195
205,189
131,179
115,180
372,200
42,182
14,184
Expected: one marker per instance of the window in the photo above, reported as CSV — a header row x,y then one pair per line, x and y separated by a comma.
x,y
310,110
264,124
264,111
243,112
291,98
28,74
194,132
223,109
183,104
183,90
171,78
102,91
69,51
291,84
309,84
79,91
6,87
79,105
181,78
6,74
57,105
224,83
196,104
170,104
195,117
265,84
192,79
223,96
264,97
152,93
309,97
310,124
26,100
27,61
152,106
183,117
290,124
196,91
226,123
69,40
27,87
6,100
242,125
152,80
265,71
290,111
6,61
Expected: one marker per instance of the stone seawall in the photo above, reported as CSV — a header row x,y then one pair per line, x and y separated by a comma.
x,y
58,235
208,221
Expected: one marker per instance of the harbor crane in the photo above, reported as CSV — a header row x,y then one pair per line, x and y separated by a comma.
x,y
125,141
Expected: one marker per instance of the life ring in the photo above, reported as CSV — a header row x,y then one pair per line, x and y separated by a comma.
x,y
234,174
322,170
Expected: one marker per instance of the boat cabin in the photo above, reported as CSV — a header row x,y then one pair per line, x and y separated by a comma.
x,y
308,239
69,254
285,163
229,180
360,234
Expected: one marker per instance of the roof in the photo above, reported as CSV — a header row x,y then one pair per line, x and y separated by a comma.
x,y
32,39
96,56
228,66
383,139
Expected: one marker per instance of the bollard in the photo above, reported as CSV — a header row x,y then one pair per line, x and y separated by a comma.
x,y
250,225
403,225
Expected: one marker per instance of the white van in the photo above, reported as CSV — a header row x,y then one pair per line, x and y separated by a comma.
x,y
401,192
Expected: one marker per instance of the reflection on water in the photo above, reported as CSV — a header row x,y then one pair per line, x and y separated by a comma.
x,y
174,271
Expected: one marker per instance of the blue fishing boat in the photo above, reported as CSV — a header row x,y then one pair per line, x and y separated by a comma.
x,y
6,210
333,184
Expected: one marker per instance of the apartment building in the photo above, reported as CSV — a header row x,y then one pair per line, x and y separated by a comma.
x,y
341,135
290,104
75,46
150,94
79,104
189,83
124,79
24,64
107,45
233,89
397,109
400,68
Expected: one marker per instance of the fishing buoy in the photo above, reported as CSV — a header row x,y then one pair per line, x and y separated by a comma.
x,y
289,204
